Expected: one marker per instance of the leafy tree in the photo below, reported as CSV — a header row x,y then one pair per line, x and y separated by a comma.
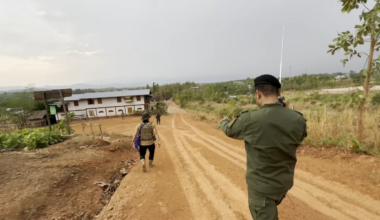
x,y
376,99
369,28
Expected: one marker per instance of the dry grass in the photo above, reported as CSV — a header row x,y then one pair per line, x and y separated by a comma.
x,y
330,127
328,124
79,141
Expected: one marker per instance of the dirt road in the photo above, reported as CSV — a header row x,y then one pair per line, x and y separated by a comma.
x,y
200,174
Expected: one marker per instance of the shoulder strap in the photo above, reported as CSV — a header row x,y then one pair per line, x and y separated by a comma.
x,y
141,127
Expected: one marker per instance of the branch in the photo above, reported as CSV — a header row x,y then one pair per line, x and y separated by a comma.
x,y
365,62
365,6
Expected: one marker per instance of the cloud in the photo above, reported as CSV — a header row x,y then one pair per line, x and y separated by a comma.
x,y
41,13
134,41
86,53
89,53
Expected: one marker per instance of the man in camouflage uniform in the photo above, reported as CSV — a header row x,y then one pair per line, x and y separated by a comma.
x,y
271,135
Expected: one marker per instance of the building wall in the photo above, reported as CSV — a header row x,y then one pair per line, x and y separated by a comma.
x,y
106,102
109,107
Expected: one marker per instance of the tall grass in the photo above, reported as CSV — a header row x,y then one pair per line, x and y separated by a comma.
x,y
327,126
331,120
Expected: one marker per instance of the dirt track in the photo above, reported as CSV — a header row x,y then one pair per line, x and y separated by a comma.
x,y
200,174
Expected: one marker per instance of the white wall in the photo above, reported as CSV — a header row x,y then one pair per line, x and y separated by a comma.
x,y
78,115
103,110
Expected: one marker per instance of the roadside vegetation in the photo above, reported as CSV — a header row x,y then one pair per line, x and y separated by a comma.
x,y
30,139
332,119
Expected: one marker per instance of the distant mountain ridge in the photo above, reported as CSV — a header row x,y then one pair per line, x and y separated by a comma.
x,y
74,86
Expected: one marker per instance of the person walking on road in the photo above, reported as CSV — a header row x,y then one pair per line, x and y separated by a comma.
x,y
271,135
148,135
158,117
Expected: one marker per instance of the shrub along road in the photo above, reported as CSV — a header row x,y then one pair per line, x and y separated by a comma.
x,y
200,174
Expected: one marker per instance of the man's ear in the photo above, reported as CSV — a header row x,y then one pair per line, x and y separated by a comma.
x,y
279,92
258,93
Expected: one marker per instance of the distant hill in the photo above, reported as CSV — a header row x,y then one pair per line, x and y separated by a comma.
x,y
74,86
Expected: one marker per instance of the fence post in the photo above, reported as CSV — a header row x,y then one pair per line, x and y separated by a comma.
x,y
101,133
83,126
92,132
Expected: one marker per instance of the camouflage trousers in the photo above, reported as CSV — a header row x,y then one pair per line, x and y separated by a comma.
x,y
264,207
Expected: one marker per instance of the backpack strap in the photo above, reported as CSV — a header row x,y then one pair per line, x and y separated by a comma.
x,y
143,124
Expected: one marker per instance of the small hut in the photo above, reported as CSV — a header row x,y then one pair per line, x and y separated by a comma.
x,y
37,119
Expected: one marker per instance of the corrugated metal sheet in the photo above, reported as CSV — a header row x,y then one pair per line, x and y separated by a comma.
x,y
37,115
51,94
96,95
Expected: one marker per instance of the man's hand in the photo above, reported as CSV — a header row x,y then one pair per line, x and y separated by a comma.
x,y
225,117
159,144
286,104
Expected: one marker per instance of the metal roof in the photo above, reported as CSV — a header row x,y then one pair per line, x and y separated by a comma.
x,y
37,115
113,94
51,94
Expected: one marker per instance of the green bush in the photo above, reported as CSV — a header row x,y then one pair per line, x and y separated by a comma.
x,y
315,96
376,99
230,111
30,139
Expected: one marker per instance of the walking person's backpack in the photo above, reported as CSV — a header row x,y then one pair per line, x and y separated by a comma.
x,y
147,133
137,139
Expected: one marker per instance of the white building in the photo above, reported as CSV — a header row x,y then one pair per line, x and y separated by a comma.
x,y
104,104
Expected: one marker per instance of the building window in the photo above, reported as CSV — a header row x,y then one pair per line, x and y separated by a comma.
x,y
118,99
76,103
120,110
128,99
92,113
90,101
100,101
110,111
138,98
101,111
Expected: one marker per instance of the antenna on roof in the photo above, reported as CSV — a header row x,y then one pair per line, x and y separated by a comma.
x,y
282,48
282,99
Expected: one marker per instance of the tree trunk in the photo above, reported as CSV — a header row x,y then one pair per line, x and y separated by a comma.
x,y
365,91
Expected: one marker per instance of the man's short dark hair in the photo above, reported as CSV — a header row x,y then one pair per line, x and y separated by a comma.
x,y
267,89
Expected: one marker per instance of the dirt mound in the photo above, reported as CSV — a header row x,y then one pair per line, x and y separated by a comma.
x,y
58,182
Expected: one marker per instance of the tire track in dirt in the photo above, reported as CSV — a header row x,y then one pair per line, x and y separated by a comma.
x,y
236,197
327,201
336,203
215,141
343,191
306,194
237,161
215,197
196,205
307,197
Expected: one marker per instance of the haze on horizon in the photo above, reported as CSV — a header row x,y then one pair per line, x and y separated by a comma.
x,y
137,42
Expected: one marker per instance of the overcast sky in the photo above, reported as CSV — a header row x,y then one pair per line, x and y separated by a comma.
x,y
49,42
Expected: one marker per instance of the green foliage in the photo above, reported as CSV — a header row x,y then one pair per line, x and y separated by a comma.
x,y
357,146
160,108
231,110
30,139
376,99
370,27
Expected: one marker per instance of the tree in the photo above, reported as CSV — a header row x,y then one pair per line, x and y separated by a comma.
x,y
370,27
